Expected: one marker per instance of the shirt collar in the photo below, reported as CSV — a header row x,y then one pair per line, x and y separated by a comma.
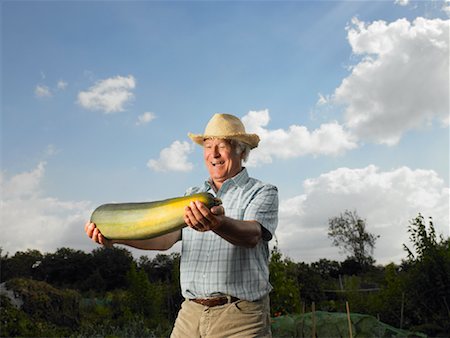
x,y
239,179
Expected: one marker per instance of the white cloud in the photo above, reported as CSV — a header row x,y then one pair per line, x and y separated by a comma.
x,y
402,2
61,85
24,184
31,220
387,200
402,81
323,100
173,158
329,139
51,150
109,95
145,118
446,7
42,91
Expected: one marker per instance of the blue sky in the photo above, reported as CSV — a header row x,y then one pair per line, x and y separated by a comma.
x,y
350,98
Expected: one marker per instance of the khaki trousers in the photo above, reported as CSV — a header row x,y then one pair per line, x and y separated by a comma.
x,y
238,319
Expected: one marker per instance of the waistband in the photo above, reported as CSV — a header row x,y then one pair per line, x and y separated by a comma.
x,y
215,301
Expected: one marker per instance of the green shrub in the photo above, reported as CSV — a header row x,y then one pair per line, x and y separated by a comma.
x,y
15,322
43,302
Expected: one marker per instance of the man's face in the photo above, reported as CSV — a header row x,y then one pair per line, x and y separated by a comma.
x,y
221,160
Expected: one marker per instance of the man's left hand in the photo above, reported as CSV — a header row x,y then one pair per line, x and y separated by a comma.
x,y
200,218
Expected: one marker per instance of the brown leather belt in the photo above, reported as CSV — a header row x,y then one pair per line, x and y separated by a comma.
x,y
216,301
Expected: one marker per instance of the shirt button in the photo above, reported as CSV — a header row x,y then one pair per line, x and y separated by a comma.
x,y
204,275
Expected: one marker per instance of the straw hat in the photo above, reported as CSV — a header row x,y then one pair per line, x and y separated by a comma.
x,y
226,126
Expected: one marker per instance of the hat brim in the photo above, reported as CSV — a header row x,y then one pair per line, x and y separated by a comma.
x,y
251,139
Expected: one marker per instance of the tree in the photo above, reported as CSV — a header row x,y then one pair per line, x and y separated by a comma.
x,y
113,265
145,298
285,297
310,283
66,268
22,264
428,278
348,231
326,268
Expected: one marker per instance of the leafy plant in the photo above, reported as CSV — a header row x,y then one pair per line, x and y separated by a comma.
x,y
428,277
285,297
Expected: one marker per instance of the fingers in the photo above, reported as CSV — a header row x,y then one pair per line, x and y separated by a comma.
x,y
201,213
192,219
89,229
218,210
200,218
94,233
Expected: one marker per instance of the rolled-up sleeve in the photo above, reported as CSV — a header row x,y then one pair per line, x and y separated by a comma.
x,y
263,208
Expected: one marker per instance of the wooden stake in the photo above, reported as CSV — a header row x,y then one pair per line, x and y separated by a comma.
x,y
349,320
401,310
303,311
313,319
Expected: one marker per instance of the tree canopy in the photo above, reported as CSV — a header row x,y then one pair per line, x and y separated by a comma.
x,y
348,232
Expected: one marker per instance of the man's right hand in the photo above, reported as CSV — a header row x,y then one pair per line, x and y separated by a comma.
x,y
94,233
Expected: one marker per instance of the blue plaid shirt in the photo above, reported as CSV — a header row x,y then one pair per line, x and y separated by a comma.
x,y
210,266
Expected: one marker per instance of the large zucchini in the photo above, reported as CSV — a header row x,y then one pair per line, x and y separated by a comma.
x,y
147,219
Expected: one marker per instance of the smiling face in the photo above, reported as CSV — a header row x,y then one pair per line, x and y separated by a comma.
x,y
222,161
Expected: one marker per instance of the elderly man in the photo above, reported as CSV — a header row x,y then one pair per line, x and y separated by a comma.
x,y
224,270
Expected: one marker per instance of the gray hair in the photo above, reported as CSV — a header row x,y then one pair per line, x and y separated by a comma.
x,y
241,148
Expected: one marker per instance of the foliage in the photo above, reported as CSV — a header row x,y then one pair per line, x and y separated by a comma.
x,y
326,324
310,283
326,269
144,298
22,264
16,323
285,296
135,328
112,316
102,270
427,282
64,267
390,299
348,231
46,303
165,270
112,265
141,298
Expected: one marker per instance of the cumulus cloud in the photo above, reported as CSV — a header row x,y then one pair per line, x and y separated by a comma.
x,y
328,139
173,158
42,91
401,82
145,118
30,219
109,95
387,200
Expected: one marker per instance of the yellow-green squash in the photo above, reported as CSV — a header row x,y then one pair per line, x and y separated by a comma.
x,y
147,219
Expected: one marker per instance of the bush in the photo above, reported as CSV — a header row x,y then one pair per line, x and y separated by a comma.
x,y
43,302
16,323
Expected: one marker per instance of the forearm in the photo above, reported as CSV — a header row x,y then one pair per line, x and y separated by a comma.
x,y
239,233
163,242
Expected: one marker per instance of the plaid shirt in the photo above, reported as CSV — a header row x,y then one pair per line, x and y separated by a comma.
x,y
211,266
